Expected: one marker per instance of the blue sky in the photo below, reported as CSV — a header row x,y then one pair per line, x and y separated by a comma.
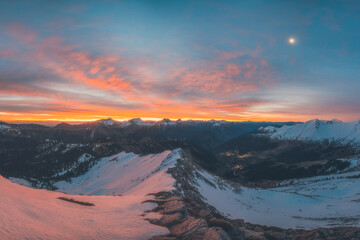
x,y
179,59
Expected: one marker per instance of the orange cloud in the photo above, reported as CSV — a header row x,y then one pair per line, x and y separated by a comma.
x,y
77,84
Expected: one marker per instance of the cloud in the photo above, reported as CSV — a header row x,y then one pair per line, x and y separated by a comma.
x,y
20,32
80,65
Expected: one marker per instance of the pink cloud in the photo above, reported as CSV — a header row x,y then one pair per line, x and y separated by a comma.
x,y
204,88
21,32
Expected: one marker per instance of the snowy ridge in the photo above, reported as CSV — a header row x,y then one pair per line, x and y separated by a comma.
x,y
4,128
107,122
323,201
8,129
326,201
165,122
39,214
28,213
317,130
125,173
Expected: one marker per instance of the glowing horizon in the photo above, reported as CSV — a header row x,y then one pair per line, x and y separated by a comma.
x,y
79,62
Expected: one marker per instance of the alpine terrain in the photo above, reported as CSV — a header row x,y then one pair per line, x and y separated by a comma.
x,y
180,180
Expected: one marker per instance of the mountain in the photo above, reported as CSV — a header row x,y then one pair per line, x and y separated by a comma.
x,y
206,134
317,130
8,129
28,213
301,201
324,201
124,173
107,122
272,154
208,178
192,202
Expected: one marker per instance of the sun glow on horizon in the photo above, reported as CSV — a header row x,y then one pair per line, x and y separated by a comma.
x,y
51,121
224,68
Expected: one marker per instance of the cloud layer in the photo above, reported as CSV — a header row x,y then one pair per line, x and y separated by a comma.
x,y
78,62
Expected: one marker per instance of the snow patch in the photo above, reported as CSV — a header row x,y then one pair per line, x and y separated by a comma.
x,y
125,173
39,214
8,129
107,122
4,128
21,181
317,130
28,213
325,201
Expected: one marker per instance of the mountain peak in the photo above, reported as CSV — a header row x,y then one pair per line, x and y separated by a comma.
x,y
63,125
107,122
136,121
167,122
319,130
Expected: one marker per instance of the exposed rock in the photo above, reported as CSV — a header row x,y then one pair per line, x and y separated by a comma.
x,y
164,238
171,219
216,233
174,197
203,213
238,222
230,228
275,236
190,219
191,229
252,235
174,206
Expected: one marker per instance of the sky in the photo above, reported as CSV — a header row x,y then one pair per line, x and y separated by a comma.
x,y
232,60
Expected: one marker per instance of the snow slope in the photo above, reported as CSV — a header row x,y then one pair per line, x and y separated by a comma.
x,y
8,129
125,173
4,128
164,122
28,213
322,201
107,122
306,203
317,130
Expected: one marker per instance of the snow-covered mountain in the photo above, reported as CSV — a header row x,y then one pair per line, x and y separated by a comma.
x,y
40,214
28,213
165,122
103,170
5,129
125,173
318,130
107,122
322,201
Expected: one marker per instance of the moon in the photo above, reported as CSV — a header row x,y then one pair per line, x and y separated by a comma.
x,y
292,41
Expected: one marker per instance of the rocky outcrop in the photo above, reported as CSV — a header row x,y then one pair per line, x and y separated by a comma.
x,y
216,233
191,228
185,219
190,219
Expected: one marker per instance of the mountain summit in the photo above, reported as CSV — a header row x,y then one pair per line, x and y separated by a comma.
x,y
107,122
318,130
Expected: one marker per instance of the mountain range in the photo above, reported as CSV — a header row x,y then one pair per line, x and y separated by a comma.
x,y
199,179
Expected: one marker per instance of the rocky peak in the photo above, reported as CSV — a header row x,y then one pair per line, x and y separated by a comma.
x,y
107,122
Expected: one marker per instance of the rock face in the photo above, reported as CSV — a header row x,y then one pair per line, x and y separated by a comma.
x,y
174,206
216,233
191,219
191,228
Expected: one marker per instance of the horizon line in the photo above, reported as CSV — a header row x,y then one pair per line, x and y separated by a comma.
x,y
53,122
